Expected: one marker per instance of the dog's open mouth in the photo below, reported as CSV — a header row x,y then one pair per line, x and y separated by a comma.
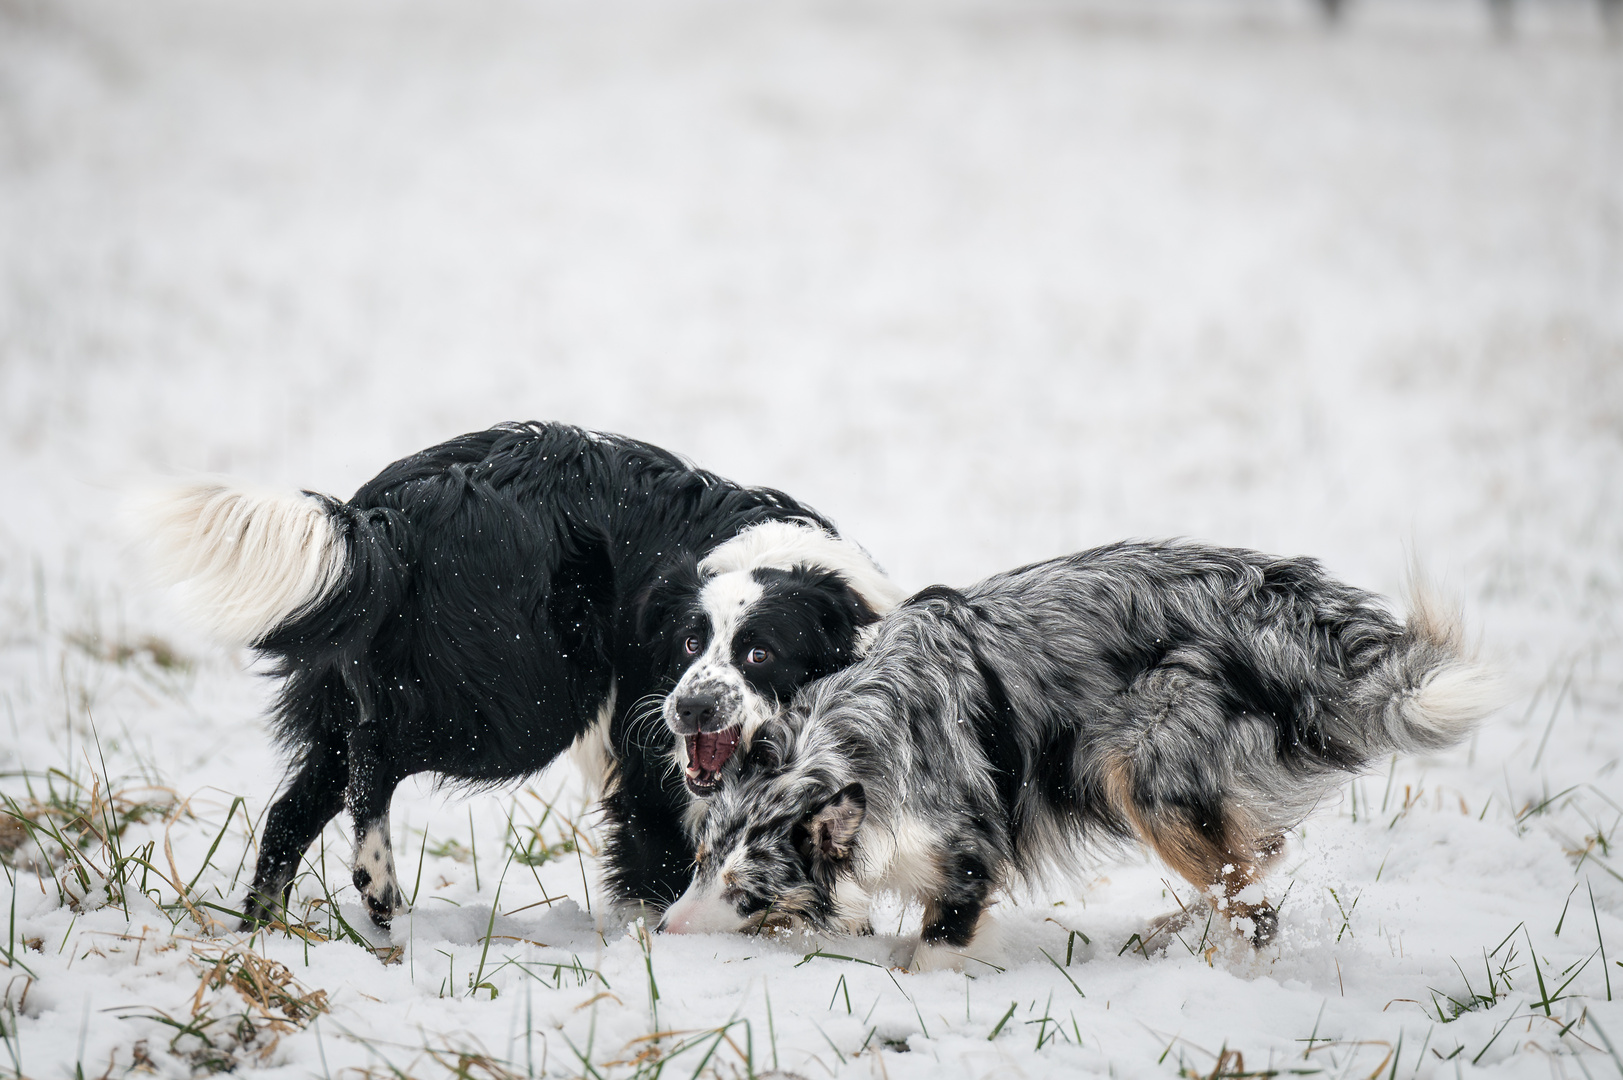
x,y
708,751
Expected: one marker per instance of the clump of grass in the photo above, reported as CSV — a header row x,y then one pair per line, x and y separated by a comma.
x,y
74,832
264,984
534,852
1230,1066
471,1064
647,1056
1498,982
551,835
452,849
1346,911
220,1032
63,815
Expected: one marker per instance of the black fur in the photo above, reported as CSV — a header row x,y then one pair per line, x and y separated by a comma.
x,y
496,589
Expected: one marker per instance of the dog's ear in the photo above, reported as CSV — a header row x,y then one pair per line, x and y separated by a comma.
x,y
828,618
764,753
833,828
848,604
678,582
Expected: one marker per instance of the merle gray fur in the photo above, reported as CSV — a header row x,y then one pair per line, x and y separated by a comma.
x,y
1198,699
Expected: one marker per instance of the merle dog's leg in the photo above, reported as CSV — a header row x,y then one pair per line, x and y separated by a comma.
x,y
312,799
1215,855
1204,837
372,780
1167,777
955,922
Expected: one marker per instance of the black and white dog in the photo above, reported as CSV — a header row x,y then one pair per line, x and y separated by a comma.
x,y
479,607
1198,699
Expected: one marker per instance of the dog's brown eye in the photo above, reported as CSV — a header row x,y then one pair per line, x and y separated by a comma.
x,y
692,645
758,656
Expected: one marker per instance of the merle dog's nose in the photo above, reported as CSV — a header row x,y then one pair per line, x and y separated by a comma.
x,y
692,713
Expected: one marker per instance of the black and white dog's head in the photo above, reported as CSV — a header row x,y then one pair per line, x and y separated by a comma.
x,y
761,616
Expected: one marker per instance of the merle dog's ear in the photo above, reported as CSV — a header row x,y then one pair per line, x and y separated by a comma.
x,y
764,754
676,585
834,827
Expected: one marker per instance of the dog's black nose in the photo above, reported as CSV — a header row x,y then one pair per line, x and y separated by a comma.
x,y
693,712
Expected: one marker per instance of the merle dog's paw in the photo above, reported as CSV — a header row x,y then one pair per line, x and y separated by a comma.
x,y
1264,924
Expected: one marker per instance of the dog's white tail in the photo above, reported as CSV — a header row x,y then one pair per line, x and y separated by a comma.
x,y
245,561
1435,692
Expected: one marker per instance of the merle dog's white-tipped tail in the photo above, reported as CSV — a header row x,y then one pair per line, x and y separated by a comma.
x,y
1435,691
245,561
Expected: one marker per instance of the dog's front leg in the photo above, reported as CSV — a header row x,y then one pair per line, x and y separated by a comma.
x,y
371,786
956,922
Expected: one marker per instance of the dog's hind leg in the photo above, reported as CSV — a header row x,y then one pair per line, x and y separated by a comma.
x,y
312,799
1169,774
1206,841
372,780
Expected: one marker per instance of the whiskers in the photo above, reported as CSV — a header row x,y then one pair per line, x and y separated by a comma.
x,y
645,719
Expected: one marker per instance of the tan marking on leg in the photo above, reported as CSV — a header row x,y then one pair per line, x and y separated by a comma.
x,y
1230,863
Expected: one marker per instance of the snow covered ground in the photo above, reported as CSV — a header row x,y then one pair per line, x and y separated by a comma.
x,y
985,282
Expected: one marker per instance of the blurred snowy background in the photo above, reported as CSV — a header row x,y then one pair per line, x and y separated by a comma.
x,y
983,281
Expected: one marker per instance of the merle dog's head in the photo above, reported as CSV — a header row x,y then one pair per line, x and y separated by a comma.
x,y
738,633
775,851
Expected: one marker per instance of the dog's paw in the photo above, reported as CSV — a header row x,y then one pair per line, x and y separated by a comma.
x,y
267,898
984,952
382,896
257,911
936,956
375,877
1258,924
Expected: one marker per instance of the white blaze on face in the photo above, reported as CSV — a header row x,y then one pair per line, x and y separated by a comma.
x,y
725,600
785,544
701,910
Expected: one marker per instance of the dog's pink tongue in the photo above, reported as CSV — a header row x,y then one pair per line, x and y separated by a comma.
x,y
709,750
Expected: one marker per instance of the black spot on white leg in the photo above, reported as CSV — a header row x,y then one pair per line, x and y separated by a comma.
x,y
372,777
378,886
